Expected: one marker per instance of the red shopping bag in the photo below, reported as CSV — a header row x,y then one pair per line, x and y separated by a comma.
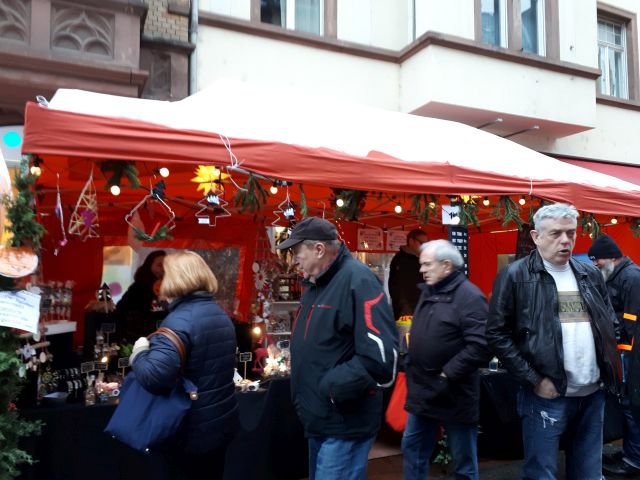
x,y
396,415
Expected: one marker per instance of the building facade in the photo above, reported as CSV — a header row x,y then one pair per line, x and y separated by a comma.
x,y
558,76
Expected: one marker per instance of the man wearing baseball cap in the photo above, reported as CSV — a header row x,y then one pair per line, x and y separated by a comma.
x,y
622,277
343,351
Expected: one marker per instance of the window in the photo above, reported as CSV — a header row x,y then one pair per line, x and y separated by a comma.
x,y
612,58
301,15
494,22
533,31
530,26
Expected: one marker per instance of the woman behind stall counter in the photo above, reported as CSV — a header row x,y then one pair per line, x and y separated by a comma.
x,y
137,311
210,342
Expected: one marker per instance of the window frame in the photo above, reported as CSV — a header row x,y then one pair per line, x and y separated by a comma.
x,y
328,17
628,21
505,8
551,28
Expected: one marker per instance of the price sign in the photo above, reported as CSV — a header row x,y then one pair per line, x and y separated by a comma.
x,y
108,327
123,362
100,365
86,367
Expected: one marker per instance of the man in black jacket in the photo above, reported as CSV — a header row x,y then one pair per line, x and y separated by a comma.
x,y
447,345
552,326
343,352
623,282
404,277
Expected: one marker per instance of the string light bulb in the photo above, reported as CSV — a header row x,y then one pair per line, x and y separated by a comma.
x,y
35,169
398,208
340,202
115,190
455,220
164,172
486,201
522,200
614,220
257,330
273,189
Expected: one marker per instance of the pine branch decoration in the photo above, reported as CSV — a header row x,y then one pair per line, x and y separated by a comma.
x,y
508,211
252,198
634,226
469,213
423,213
304,211
354,201
590,225
118,169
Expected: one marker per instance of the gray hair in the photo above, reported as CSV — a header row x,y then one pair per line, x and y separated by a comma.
x,y
332,246
444,250
554,212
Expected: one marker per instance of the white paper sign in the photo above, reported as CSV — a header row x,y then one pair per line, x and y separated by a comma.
x,y
370,239
20,310
396,239
448,212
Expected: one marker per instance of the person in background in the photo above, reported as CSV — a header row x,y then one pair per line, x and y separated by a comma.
x,y
135,310
622,277
343,352
552,326
210,342
404,277
447,347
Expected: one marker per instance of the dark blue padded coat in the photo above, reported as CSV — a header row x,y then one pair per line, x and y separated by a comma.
x,y
210,342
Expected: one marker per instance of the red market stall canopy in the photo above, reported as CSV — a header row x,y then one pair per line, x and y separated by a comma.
x,y
312,141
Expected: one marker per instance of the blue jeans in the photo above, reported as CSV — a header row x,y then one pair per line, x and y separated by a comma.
x,y
333,458
543,423
420,437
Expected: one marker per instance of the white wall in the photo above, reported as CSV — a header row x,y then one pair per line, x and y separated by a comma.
x,y
455,17
227,54
378,23
578,32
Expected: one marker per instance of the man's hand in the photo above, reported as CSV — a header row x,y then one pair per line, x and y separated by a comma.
x,y
546,389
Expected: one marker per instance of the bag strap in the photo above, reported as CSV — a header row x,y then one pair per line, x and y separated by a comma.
x,y
175,339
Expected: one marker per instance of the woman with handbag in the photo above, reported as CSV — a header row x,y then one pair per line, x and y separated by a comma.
x,y
209,341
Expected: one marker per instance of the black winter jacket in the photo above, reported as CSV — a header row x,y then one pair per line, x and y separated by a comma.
x,y
624,291
404,277
210,341
447,335
524,327
343,349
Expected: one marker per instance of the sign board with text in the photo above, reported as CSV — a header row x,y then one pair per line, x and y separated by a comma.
x,y
20,309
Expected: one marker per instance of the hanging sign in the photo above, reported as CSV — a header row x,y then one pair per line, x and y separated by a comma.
x,y
370,239
459,236
448,212
20,309
396,239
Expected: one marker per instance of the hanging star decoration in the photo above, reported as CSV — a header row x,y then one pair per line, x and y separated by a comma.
x,y
213,202
287,209
206,177
84,219
161,230
59,212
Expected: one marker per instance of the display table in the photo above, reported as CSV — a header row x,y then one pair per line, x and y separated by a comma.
x,y
500,433
73,446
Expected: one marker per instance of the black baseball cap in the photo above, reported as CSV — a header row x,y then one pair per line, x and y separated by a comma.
x,y
311,228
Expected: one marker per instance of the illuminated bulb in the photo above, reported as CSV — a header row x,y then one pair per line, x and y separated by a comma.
x,y
164,172
115,190
35,170
485,201
340,202
104,359
398,208
455,220
280,229
273,189
522,200
256,331
432,205
614,220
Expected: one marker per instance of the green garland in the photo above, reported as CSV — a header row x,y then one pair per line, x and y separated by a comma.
x,y
590,225
304,211
508,211
118,169
634,226
469,213
252,197
424,212
354,201
26,231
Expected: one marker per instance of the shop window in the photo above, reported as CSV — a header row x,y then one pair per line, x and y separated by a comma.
x,y
301,15
612,58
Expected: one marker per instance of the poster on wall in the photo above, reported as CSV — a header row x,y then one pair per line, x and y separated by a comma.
x,y
370,239
459,236
396,239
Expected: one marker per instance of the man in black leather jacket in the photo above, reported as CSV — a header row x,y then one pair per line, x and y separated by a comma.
x,y
623,282
552,325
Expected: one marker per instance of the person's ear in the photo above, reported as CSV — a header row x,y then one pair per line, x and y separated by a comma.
x,y
320,249
535,235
